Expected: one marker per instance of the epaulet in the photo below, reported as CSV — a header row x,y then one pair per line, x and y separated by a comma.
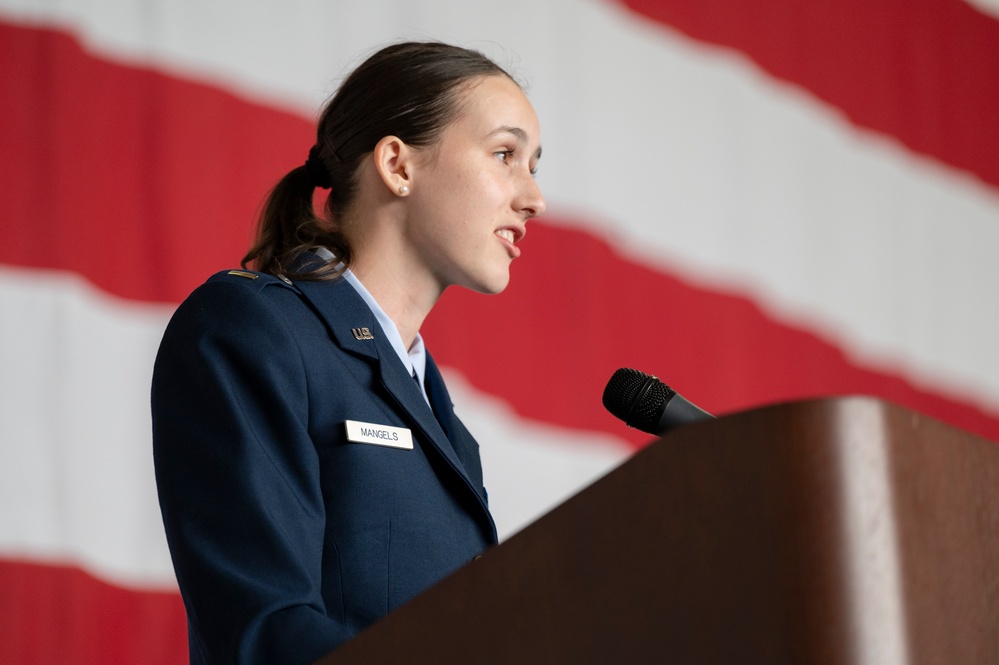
x,y
258,279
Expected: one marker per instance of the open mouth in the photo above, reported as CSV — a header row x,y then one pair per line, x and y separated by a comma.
x,y
506,234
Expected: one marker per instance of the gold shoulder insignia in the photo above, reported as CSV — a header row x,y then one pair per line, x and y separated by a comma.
x,y
243,273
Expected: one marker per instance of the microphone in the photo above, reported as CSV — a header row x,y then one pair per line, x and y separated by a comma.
x,y
646,403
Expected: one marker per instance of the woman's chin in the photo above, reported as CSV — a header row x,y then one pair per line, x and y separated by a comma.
x,y
493,285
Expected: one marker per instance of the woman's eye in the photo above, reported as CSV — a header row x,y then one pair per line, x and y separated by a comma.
x,y
503,155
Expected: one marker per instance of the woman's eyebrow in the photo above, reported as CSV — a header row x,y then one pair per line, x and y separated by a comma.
x,y
506,129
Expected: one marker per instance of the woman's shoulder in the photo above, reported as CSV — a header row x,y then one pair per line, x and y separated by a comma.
x,y
233,296
243,288
240,302
247,281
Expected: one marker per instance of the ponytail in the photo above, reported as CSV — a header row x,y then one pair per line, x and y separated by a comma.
x,y
289,226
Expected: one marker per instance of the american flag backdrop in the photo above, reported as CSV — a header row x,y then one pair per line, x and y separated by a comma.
x,y
756,200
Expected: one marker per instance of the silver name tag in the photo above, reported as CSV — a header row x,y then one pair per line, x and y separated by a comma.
x,y
379,435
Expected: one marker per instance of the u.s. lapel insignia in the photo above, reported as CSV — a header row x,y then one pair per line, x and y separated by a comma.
x,y
362,333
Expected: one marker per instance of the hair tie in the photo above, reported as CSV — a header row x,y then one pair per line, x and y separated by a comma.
x,y
318,175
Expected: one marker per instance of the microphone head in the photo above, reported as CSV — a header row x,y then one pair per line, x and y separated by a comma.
x,y
637,398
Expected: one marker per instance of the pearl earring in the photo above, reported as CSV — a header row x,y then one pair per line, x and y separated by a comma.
x,y
403,190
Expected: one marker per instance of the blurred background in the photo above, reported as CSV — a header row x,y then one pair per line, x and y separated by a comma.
x,y
756,200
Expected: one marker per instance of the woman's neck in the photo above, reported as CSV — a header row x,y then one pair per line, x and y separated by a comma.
x,y
406,295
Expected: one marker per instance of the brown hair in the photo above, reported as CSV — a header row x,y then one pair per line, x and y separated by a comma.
x,y
411,90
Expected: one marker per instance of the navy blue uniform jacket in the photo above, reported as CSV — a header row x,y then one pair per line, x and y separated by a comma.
x,y
288,539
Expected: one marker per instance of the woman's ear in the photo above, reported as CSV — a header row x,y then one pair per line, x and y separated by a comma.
x,y
395,162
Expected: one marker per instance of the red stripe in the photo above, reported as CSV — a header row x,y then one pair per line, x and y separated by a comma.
x,y
51,614
925,73
213,156
575,311
143,183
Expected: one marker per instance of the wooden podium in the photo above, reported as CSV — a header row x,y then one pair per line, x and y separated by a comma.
x,y
835,531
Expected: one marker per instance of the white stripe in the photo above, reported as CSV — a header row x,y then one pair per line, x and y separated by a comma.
x,y
989,7
683,155
76,477
703,164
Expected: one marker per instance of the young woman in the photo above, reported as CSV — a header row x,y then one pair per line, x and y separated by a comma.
x,y
311,471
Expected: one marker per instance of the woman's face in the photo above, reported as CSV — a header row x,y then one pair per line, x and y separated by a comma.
x,y
473,193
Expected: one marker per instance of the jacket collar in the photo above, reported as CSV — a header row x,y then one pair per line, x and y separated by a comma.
x,y
355,330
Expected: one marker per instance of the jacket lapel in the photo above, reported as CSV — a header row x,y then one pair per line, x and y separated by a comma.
x,y
355,329
440,400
